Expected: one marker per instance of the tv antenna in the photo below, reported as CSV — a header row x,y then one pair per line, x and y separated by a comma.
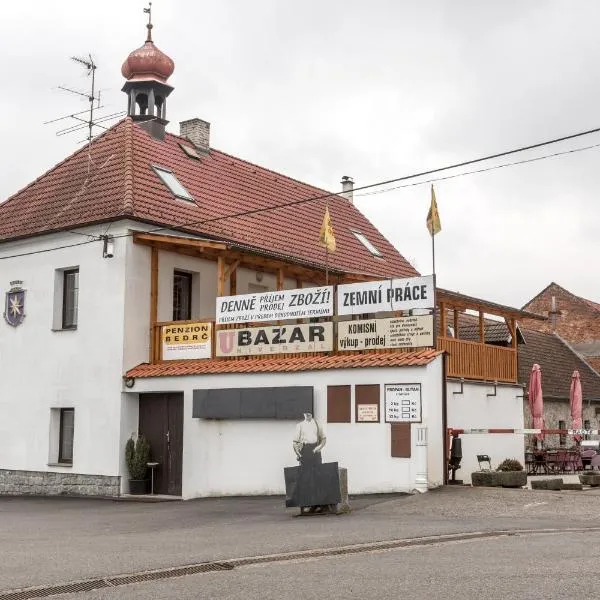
x,y
94,100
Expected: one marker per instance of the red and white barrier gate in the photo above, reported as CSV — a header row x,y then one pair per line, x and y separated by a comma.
x,y
452,430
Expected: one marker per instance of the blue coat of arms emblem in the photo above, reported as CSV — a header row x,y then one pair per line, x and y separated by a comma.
x,y
14,311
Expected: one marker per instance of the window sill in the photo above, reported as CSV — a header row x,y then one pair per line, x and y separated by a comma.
x,y
64,329
57,464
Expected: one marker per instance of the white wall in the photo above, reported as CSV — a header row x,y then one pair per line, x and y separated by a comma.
x,y
475,409
248,457
42,369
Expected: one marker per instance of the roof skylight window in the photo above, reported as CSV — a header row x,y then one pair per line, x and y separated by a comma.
x,y
367,244
168,178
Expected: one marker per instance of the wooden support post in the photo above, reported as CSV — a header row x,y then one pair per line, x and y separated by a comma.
x,y
513,331
455,323
232,270
280,279
481,329
443,320
154,345
220,276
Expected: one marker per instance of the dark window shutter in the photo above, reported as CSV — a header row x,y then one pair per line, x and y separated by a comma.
x,y
338,404
400,440
366,394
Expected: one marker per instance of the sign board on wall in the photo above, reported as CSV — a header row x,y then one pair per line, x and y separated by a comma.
x,y
367,413
189,340
314,337
276,306
401,332
402,402
385,296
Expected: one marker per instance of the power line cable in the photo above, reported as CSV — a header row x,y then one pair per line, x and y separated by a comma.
x,y
364,187
510,164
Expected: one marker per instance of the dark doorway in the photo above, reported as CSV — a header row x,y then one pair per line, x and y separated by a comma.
x,y
161,422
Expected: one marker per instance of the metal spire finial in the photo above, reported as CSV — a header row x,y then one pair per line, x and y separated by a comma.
x,y
148,11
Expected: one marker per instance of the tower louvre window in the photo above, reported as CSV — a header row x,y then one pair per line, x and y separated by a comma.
x,y
170,180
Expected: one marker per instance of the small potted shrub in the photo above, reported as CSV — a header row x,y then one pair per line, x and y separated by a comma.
x,y
137,455
511,473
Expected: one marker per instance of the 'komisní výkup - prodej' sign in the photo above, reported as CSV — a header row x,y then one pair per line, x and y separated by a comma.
x,y
189,340
400,332
314,337
385,296
275,306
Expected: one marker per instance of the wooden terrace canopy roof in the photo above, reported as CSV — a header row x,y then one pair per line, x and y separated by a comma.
x,y
464,302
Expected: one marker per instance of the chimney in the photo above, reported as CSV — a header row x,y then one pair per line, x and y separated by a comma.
x,y
553,312
348,188
198,132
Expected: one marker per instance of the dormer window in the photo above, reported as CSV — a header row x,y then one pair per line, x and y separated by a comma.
x,y
367,244
168,178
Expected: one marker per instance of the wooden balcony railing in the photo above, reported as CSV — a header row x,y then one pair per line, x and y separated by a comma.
x,y
484,362
465,359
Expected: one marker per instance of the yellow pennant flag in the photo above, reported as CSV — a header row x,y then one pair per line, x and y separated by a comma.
x,y
433,216
327,237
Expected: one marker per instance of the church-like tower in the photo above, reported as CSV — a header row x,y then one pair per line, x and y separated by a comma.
x,y
147,70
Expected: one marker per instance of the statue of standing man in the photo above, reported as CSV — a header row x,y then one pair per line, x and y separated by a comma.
x,y
309,441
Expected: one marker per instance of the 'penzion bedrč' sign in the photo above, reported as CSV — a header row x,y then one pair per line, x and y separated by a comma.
x,y
186,340
314,337
302,303
388,295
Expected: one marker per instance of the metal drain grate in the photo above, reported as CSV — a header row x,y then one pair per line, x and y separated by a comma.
x,y
109,582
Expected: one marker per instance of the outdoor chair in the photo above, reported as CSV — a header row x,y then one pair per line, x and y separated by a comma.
x,y
484,458
586,457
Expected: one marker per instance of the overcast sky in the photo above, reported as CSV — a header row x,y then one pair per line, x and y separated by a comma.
x,y
317,89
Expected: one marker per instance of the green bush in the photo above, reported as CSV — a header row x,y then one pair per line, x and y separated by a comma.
x,y
510,464
137,455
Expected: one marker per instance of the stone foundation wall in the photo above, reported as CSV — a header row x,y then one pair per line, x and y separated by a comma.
x,y
47,483
555,411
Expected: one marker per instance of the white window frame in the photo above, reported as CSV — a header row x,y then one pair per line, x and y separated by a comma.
x,y
172,183
364,240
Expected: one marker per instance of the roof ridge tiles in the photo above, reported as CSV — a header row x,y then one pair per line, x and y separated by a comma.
x,y
128,207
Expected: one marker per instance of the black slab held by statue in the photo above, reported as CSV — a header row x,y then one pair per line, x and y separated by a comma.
x,y
313,486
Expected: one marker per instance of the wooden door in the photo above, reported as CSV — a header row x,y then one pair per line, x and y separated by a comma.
x,y
161,422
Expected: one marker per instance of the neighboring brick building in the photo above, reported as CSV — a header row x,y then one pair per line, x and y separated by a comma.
x,y
557,361
573,318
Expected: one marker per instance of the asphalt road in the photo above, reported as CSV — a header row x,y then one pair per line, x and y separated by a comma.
x,y
45,541
503,568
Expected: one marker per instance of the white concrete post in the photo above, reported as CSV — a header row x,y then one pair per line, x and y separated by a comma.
x,y
421,460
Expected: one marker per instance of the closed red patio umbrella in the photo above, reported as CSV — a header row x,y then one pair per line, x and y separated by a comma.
x,y
536,400
576,403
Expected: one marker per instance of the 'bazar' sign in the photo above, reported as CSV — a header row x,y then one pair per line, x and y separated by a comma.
x,y
385,296
401,332
189,340
314,337
276,306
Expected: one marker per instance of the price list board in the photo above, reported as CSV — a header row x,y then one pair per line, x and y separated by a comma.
x,y
402,402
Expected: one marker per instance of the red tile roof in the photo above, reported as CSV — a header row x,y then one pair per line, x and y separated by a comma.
x,y
122,184
272,365
557,361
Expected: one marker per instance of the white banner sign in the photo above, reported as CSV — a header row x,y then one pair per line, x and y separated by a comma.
x,y
385,296
314,337
276,306
367,413
402,402
401,332
189,340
